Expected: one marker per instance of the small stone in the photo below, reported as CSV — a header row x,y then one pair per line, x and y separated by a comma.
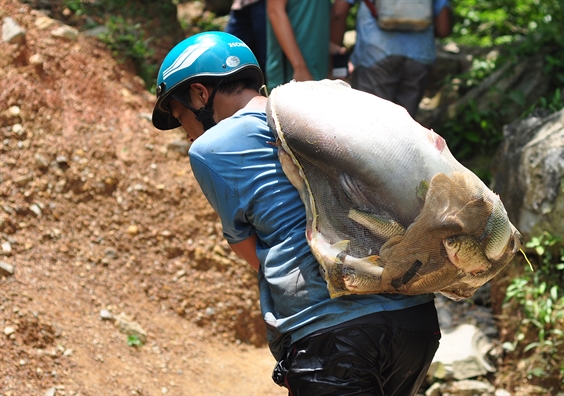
x,y
96,31
36,59
65,32
50,392
43,22
6,269
23,179
12,32
130,328
105,314
7,247
434,390
133,230
467,388
62,160
35,208
41,161
111,253
139,187
8,331
14,111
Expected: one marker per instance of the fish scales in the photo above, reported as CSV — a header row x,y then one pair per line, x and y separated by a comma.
x,y
389,209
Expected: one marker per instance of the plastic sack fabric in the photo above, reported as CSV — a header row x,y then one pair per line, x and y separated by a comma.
x,y
389,209
402,15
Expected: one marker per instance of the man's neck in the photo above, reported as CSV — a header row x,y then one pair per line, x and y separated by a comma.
x,y
227,105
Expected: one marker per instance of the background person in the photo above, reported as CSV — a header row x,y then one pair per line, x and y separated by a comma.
x,y
247,21
297,41
393,65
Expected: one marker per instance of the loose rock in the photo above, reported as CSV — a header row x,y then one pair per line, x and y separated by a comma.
x,y
8,331
66,32
6,269
12,32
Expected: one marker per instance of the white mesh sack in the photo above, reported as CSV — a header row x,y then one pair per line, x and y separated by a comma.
x,y
389,209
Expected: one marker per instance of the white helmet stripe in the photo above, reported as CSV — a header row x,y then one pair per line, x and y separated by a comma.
x,y
187,57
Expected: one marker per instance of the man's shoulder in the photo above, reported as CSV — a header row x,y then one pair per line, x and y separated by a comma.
x,y
232,133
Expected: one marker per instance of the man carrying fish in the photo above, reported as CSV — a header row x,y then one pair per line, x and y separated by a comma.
x,y
379,344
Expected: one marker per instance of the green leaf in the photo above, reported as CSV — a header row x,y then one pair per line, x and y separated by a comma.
x,y
134,340
554,292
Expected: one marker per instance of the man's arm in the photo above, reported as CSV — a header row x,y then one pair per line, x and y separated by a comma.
x,y
443,23
276,10
339,12
247,250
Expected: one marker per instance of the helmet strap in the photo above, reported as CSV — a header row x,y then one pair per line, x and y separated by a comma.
x,y
204,114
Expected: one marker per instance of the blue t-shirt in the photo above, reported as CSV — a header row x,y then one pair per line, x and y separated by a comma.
x,y
374,44
236,164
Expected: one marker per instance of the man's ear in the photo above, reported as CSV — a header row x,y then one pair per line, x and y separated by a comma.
x,y
199,95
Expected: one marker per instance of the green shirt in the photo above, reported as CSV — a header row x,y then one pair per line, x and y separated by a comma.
x,y
310,21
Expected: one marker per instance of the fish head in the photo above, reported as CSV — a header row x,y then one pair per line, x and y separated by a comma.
x,y
466,253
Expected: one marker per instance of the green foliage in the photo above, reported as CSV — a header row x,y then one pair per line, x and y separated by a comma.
x,y
95,8
76,6
488,23
518,29
474,132
133,340
551,103
351,17
127,21
539,297
127,42
207,23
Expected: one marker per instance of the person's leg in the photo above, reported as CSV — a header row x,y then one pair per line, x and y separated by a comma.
x,y
340,362
386,353
412,85
239,25
258,21
410,356
381,79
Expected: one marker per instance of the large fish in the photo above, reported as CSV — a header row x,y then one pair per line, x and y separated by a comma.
x,y
389,209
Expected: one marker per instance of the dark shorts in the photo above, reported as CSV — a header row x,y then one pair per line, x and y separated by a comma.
x,y
396,78
385,353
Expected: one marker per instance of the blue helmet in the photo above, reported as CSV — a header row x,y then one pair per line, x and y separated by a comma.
x,y
205,56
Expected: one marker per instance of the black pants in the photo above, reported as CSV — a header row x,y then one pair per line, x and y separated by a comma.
x,y
386,353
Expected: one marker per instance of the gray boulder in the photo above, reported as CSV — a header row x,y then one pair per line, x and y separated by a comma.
x,y
529,174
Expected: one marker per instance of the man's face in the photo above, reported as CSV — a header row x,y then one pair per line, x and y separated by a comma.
x,y
193,128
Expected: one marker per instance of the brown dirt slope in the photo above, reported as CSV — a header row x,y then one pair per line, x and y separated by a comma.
x,y
99,211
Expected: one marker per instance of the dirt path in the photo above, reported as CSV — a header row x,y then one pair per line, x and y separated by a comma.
x,y
60,341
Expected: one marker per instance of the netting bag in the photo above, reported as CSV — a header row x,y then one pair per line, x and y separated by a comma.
x,y
389,209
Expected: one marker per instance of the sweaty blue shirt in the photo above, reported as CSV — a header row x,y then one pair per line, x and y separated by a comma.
x,y
236,164
374,44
